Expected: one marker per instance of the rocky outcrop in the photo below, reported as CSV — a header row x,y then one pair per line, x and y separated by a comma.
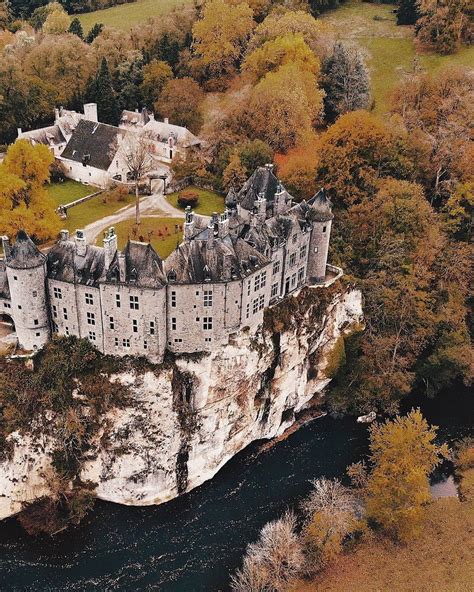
x,y
189,416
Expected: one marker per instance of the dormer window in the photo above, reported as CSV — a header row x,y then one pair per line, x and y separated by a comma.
x,y
172,275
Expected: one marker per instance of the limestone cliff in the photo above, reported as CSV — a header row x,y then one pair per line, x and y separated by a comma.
x,y
188,417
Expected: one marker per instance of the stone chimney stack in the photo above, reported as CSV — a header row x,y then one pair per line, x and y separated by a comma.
x,y
64,235
6,247
19,131
213,230
261,205
81,243
224,224
56,114
166,120
279,203
90,112
188,223
110,246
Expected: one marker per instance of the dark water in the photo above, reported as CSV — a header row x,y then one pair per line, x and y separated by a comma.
x,y
192,544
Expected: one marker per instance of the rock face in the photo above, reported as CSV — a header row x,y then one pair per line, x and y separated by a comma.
x,y
188,417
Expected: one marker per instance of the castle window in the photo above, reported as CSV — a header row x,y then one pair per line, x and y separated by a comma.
x,y
145,344
15,278
207,298
19,307
66,331
37,334
248,287
7,305
315,249
257,283
207,323
303,252
208,339
57,293
65,313
35,294
292,259
255,306
276,267
152,327
263,279
135,325
173,299
294,238
116,341
300,275
90,318
173,323
247,310
261,301
293,280
92,335
134,302
89,298
117,300
111,323
55,311
36,321
274,290
324,228
126,342
178,340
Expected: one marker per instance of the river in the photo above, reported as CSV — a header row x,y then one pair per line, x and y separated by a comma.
x,y
192,544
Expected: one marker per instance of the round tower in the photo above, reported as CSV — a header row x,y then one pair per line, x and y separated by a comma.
x,y
26,274
320,215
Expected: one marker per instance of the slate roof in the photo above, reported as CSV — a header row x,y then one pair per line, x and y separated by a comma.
x,y
263,181
161,131
49,136
143,266
65,266
321,207
24,254
196,262
94,144
134,118
4,288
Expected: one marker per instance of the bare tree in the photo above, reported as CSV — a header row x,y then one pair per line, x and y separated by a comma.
x,y
135,151
272,562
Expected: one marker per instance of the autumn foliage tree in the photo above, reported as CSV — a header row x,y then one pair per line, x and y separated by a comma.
x,y
443,24
403,453
24,203
181,101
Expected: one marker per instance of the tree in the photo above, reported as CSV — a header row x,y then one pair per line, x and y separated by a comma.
x,y
127,81
402,451
297,170
277,52
76,28
235,173
459,212
181,102
135,151
24,204
253,154
407,12
345,81
57,22
94,32
443,24
356,152
155,76
273,561
105,96
220,37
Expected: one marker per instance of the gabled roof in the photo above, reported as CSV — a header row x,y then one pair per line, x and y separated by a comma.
x,y
161,131
64,265
134,118
94,144
24,254
262,181
143,265
49,136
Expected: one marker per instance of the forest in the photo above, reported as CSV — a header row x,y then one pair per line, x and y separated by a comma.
x,y
270,81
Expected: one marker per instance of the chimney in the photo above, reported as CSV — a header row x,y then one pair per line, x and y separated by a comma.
x,y
224,224
64,235
166,120
110,246
19,131
261,207
122,267
81,243
90,112
212,230
279,202
188,223
6,247
56,115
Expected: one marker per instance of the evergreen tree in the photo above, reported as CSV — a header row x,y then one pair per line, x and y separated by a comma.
x,y
94,32
76,28
105,96
346,82
128,81
407,12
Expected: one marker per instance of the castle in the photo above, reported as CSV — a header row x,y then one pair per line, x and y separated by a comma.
x,y
219,280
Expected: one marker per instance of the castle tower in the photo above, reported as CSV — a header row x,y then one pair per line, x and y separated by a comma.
x,y
26,274
320,215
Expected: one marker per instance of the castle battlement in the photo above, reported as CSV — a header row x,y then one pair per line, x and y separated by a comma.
x,y
219,280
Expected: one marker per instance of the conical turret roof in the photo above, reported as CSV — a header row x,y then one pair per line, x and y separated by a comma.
x,y
24,253
321,207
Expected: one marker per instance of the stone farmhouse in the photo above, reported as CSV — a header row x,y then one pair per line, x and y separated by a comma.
x,y
92,152
217,282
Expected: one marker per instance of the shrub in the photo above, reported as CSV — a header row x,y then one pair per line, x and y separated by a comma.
x,y
188,198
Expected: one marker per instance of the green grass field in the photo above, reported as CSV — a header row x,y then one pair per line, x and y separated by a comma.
x,y
161,232
92,210
68,191
209,201
126,16
390,50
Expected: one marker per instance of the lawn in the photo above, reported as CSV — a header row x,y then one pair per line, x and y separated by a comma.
x,y
209,201
92,210
64,193
126,16
390,50
161,232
